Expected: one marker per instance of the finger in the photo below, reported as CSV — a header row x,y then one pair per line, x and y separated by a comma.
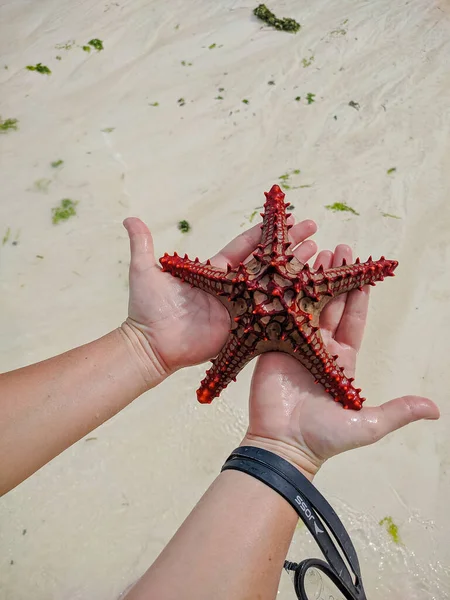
x,y
238,249
350,330
141,244
304,251
245,243
332,313
378,422
301,231
324,259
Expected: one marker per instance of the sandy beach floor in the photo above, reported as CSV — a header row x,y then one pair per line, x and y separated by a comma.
x,y
191,111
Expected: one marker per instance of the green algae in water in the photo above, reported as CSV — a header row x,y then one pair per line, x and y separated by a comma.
x,y
154,104
391,529
64,211
40,68
41,185
245,101
8,125
285,24
86,48
6,236
65,45
186,64
253,215
107,130
57,163
340,30
96,43
310,98
184,226
298,98
285,178
391,170
391,216
212,46
341,207
181,101
307,62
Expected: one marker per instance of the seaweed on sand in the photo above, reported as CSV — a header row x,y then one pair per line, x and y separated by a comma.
x,y
285,24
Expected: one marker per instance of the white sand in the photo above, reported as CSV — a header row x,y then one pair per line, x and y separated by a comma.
x,y
99,514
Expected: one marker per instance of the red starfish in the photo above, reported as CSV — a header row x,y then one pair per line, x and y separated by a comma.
x,y
274,303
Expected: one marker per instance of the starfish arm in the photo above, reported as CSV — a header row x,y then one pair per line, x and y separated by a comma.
x,y
274,237
345,278
313,355
237,352
201,275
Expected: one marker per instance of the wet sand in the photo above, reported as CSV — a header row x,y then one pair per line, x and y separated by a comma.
x,y
90,523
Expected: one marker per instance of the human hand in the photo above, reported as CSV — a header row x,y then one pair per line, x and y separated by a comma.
x,y
297,419
177,325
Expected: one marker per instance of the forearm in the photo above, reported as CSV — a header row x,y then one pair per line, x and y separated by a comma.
x,y
232,545
46,407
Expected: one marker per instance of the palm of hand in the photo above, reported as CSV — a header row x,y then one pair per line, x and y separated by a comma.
x,y
288,407
183,325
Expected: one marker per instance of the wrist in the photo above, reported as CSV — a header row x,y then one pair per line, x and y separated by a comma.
x,y
142,354
306,464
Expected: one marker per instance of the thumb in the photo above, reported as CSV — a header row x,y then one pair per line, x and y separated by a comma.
x,y
141,245
392,415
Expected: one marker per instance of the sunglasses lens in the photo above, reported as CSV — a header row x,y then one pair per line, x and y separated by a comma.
x,y
318,586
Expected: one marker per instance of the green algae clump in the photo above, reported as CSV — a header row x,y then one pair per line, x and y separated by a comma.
x,y
285,24
64,211
391,529
8,125
40,68
96,43
184,226
341,207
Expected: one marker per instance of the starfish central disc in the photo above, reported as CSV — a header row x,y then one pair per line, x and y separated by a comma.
x,y
275,302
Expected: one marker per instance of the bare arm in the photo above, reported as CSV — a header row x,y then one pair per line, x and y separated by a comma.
x,y
232,545
46,407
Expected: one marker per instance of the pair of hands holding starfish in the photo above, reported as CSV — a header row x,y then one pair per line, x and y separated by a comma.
x,y
289,414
